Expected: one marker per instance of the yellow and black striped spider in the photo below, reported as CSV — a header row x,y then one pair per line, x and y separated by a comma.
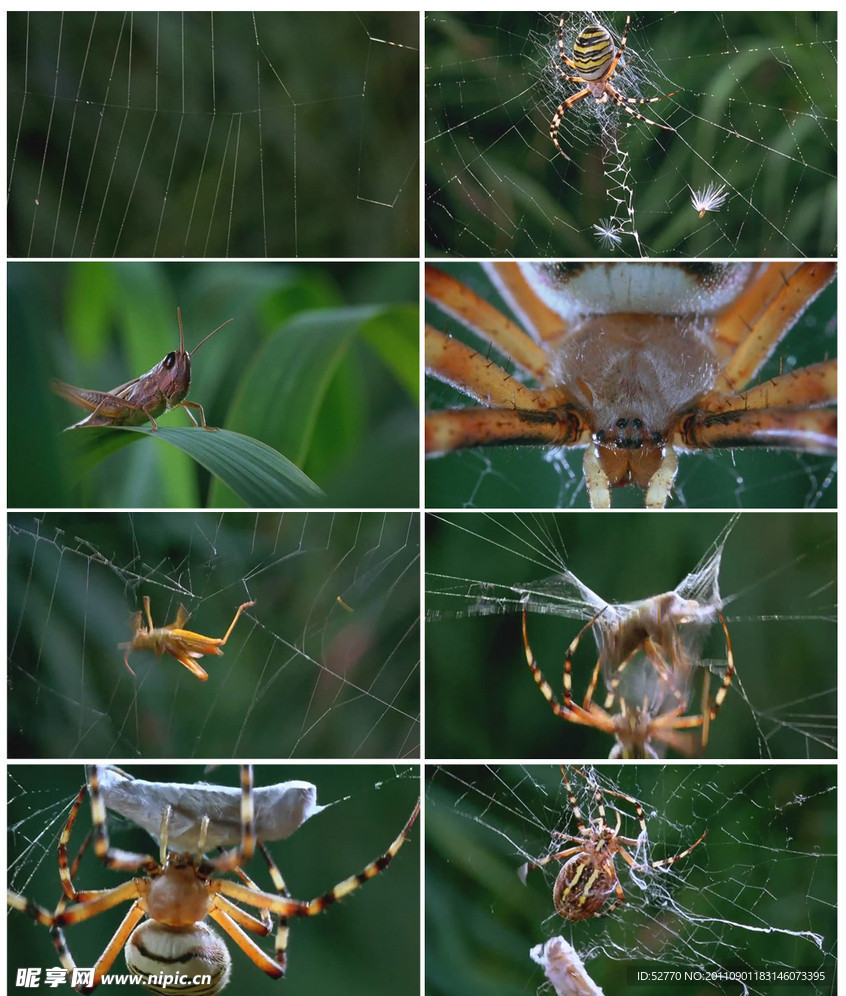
x,y
174,949
588,877
595,59
656,716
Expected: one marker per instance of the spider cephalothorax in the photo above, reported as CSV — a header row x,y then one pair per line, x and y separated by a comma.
x,y
635,362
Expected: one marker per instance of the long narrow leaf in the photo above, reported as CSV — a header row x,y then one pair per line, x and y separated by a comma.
x,y
259,475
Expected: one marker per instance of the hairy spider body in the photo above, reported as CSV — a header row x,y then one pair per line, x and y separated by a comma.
x,y
588,877
177,894
595,60
636,362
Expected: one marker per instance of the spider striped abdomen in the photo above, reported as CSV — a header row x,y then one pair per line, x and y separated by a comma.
x,y
593,52
583,885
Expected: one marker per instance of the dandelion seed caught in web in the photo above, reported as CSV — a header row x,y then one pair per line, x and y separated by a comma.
x,y
608,233
711,198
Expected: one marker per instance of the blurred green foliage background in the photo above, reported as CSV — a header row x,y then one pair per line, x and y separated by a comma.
x,y
526,477
757,113
777,581
345,418
767,864
300,675
189,133
360,946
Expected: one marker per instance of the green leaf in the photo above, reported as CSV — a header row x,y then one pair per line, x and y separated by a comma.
x,y
259,475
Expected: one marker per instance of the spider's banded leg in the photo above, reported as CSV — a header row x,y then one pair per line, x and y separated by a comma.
x,y
239,855
281,946
570,711
111,858
797,291
464,428
524,869
465,369
810,431
676,857
114,947
65,872
626,103
292,907
806,388
221,914
477,314
534,315
555,124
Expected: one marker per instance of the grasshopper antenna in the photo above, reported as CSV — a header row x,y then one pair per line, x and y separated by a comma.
x,y
182,335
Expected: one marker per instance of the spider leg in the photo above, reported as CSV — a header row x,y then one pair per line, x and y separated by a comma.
x,y
221,913
470,309
626,103
286,907
114,947
810,431
597,717
812,385
239,855
466,427
542,322
465,369
758,335
677,857
281,949
559,114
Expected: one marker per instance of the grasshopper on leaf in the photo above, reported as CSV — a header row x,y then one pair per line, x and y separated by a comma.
x,y
142,399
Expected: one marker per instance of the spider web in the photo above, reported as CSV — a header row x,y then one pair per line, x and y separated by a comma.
x,y
758,893
360,946
777,592
324,665
756,118
552,477
212,134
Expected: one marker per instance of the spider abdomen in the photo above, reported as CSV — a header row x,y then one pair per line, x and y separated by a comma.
x,y
593,51
584,884
155,952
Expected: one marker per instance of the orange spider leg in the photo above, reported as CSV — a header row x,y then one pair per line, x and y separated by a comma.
x,y
222,912
465,369
798,289
545,323
465,427
486,321
812,385
813,431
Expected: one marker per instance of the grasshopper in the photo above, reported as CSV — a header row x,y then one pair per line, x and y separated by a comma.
x,y
142,399
175,640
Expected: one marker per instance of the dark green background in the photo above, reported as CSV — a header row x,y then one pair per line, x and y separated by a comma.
x,y
367,944
486,704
